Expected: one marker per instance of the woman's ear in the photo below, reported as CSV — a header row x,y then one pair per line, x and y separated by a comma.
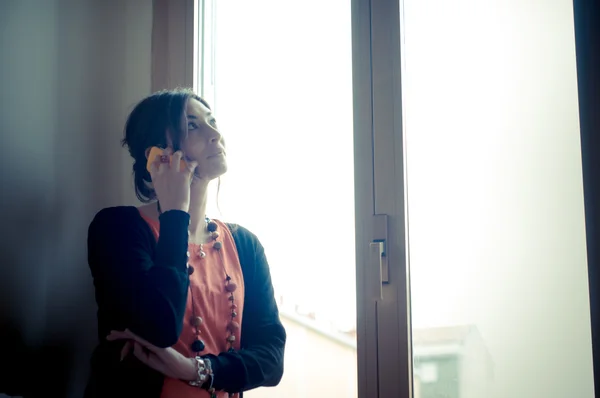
x,y
148,152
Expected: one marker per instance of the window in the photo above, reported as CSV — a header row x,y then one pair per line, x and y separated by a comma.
x,y
454,126
279,77
427,372
498,263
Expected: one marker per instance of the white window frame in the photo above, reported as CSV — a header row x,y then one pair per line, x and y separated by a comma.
x,y
383,335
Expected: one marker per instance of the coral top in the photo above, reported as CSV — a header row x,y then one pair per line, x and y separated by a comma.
x,y
210,301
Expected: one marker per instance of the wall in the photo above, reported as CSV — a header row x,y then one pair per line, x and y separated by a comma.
x,y
70,72
315,365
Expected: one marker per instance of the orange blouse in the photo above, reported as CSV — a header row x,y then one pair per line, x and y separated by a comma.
x,y
211,302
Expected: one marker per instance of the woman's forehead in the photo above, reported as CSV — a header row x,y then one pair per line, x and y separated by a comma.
x,y
196,108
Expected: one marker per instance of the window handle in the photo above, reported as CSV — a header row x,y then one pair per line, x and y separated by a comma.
x,y
375,271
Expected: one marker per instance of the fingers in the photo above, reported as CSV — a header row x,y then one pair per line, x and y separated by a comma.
x,y
115,335
191,166
185,165
128,335
159,359
148,358
155,164
126,349
176,161
138,351
140,340
159,165
162,165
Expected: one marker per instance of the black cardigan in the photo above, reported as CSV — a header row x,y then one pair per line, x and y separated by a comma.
x,y
142,284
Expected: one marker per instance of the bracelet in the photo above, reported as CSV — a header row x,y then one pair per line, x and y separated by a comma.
x,y
204,370
211,390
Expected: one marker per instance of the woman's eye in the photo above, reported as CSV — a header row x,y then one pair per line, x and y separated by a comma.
x,y
192,126
213,122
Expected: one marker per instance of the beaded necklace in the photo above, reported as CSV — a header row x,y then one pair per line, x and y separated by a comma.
x,y
229,286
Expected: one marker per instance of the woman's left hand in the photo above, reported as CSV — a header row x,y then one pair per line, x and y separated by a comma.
x,y
167,361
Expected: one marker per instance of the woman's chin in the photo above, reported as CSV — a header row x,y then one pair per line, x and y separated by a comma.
x,y
214,174
218,169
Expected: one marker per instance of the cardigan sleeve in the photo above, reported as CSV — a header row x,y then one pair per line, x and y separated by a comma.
x,y
140,284
259,363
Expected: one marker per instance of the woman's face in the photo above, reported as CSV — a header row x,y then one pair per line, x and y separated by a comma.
x,y
204,143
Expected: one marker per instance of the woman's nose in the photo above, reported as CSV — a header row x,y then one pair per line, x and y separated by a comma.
x,y
215,135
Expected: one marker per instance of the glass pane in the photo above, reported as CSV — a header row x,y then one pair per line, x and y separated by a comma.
x,y
497,241
283,100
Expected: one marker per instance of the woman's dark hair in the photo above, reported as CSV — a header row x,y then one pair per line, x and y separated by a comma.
x,y
147,126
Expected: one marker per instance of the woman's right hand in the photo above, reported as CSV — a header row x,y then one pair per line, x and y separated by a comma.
x,y
172,185
167,361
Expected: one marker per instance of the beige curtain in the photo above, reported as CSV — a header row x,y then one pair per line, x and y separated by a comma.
x,y
172,44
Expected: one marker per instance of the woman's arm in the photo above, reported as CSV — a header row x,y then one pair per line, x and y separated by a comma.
x,y
135,289
260,361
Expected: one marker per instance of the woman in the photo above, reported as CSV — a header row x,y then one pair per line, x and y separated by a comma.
x,y
185,304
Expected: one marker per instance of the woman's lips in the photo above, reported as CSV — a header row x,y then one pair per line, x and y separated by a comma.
x,y
217,154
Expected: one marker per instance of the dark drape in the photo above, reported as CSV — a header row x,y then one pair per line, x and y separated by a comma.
x,y
587,29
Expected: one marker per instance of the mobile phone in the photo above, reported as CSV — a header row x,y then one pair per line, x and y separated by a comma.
x,y
158,151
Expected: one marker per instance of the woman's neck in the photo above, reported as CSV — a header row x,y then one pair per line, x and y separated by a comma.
x,y
197,211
